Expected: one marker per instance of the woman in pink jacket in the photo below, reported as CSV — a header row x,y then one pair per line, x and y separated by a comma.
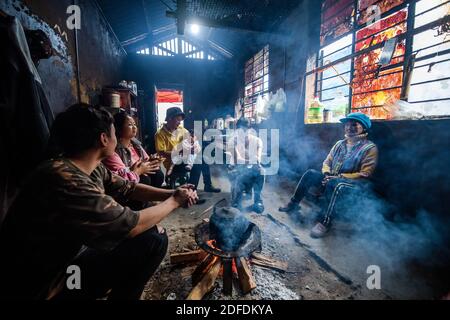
x,y
130,161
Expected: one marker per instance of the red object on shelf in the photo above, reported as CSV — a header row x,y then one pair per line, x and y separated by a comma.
x,y
170,96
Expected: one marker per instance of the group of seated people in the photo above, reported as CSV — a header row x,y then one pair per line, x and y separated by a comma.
x,y
97,202
73,211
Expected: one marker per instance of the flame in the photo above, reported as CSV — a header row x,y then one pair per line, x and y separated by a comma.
x,y
212,244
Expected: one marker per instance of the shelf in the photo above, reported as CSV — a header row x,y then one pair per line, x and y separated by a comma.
x,y
121,89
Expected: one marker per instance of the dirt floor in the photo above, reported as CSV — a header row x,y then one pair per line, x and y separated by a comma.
x,y
308,277
334,267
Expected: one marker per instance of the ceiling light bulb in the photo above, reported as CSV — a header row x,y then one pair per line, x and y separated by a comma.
x,y
195,28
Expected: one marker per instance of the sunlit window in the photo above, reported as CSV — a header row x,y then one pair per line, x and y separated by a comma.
x,y
256,81
175,47
375,56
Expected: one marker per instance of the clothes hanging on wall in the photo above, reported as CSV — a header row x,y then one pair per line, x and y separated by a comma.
x,y
25,115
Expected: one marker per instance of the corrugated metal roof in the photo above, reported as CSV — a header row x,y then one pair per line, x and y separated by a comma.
x,y
132,19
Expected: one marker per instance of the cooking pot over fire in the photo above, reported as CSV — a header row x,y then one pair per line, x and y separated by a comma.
x,y
228,226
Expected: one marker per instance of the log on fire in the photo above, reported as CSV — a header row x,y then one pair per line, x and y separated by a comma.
x,y
203,268
246,279
190,256
263,261
206,283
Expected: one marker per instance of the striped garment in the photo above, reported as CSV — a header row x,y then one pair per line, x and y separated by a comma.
x,y
358,162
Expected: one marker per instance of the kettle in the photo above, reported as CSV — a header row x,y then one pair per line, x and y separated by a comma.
x,y
228,226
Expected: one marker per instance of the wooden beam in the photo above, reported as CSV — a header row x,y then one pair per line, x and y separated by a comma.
x,y
206,283
246,279
184,257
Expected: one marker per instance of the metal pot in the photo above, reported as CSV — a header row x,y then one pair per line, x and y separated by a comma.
x,y
228,227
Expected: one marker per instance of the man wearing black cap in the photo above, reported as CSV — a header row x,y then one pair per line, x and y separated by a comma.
x,y
169,136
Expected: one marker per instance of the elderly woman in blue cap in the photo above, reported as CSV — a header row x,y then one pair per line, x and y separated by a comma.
x,y
351,162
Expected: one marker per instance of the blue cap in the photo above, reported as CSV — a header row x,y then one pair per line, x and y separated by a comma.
x,y
360,117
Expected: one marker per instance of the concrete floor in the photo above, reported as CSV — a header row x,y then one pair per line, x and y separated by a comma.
x,y
344,255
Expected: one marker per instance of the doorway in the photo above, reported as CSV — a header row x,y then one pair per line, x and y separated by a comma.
x,y
165,99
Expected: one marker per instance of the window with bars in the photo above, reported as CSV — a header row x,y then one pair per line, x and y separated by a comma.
x,y
256,81
349,73
174,47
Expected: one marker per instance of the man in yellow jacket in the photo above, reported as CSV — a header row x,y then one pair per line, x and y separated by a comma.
x,y
349,164
172,134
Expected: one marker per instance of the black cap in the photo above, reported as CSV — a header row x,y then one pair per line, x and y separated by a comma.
x,y
173,112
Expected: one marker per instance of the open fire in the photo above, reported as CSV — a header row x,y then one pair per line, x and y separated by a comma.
x,y
228,243
222,262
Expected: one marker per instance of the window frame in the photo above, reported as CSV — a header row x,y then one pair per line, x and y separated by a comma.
x,y
249,105
407,37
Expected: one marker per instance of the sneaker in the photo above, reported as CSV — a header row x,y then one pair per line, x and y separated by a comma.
x,y
319,230
212,189
291,207
258,207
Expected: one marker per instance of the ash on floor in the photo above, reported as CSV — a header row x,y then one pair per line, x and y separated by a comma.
x,y
305,278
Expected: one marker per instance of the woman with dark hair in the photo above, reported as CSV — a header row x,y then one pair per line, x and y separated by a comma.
x,y
130,161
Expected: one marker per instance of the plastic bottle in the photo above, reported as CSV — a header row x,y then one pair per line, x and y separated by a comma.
x,y
340,105
315,113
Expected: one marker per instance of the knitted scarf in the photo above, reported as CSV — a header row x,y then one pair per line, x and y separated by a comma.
x,y
349,161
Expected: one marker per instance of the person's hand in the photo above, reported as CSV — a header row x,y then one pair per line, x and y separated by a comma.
x,y
135,167
153,166
185,197
145,168
157,156
188,186
195,197
161,230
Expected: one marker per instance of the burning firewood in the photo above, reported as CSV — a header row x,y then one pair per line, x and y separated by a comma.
x,y
206,283
246,279
267,262
190,256
203,268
